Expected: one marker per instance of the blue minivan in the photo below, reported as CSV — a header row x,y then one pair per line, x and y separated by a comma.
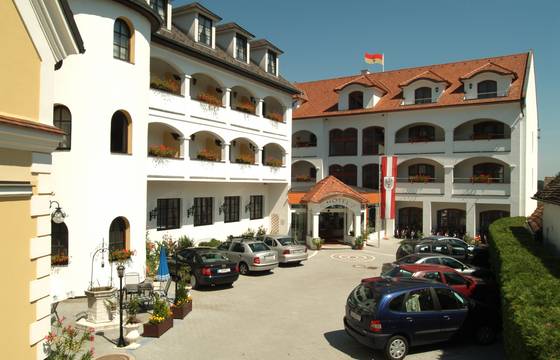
x,y
393,314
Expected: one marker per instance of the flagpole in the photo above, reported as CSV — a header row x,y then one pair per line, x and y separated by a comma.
x,y
383,63
379,208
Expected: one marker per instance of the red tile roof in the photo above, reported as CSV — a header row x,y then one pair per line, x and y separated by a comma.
x,y
329,187
489,66
427,75
12,121
551,192
366,81
535,220
323,98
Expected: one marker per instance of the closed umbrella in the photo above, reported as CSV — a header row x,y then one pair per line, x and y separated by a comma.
x,y
163,269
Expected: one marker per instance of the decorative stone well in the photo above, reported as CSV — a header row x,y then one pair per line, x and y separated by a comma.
x,y
98,311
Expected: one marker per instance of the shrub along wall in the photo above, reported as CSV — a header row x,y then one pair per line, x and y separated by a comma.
x,y
529,277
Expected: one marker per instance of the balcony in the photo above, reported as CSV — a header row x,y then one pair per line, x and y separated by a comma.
x,y
482,135
480,145
430,147
430,186
469,188
165,168
166,101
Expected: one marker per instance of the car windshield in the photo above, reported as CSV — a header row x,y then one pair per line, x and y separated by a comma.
x,y
398,272
211,257
286,241
364,298
410,259
258,246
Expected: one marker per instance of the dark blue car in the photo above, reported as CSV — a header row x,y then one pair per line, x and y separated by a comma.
x,y
393,314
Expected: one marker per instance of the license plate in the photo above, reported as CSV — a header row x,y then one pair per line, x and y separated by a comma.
x,y
355,316
221,271
298,251
269,257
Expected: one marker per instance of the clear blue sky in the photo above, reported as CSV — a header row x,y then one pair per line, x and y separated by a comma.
x,y
324,39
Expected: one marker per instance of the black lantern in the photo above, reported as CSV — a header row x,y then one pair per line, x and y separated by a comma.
x,y
120,272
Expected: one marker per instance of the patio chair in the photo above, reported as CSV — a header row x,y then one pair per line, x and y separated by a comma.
x,y
131,283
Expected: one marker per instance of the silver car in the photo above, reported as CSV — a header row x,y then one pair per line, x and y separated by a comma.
x,y
250,254
288,250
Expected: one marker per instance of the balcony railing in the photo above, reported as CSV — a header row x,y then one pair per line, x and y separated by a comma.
x,y
480,179
433,186
480,136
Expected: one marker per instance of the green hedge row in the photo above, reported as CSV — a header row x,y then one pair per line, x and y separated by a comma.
x,y
529,277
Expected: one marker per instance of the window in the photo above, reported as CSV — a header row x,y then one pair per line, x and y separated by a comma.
x,y
419,300
168,214
421,133
487,89
431,261
120,130
433,275
397,303
270,242
370,176
488,172
118,234
356,100
62,119
343,142
204,30
423,95
398,272
231,210
348,174
241,48
256,207
489,130
452,263
224,246
121,40
450,300
59,239
373,140
454,279
203,211
160,7
238,247
271,62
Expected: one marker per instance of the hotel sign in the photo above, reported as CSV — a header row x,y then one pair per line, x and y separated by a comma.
x,y
338,201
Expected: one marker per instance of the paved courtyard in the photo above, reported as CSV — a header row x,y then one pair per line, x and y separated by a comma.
x,y
292,313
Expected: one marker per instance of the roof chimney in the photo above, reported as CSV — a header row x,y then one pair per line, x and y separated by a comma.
x,y
364,72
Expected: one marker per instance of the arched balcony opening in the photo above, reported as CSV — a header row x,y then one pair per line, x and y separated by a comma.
x,y
304,138
273,155
420,133
482,129
482,171
242,100
273,109
243,151
164,77
409,219
205,89
373,140
370,176
348,174
165,141
343,142
206,146
420,171
304,172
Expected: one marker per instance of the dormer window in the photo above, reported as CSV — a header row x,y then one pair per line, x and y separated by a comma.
x,y
423,95
160,7
204,30
356,100
241,48
487,89
271,67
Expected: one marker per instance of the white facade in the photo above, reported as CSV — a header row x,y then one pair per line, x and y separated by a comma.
x,y
551,229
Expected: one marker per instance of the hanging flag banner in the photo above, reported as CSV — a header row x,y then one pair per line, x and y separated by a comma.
x,y
373,58
388,185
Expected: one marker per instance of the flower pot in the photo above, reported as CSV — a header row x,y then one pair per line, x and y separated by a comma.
x,y
156,330
132,333
179,312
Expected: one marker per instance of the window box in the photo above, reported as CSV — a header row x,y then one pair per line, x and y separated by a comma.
x,y
246,107
207,156
274,116
121,256
162,151
59,260
180,311
245,160
420,179
273,162
304,178
482,179
156,330
170,84
209,98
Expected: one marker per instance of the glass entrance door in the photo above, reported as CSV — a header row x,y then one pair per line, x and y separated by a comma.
x,y
299,226
331,226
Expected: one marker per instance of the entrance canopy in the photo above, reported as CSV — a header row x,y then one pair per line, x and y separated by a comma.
x,y
331,187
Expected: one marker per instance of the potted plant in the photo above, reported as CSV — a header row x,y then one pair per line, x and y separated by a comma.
x,y
245,159
359,242
67,342
274,116
132,322
317,243
246,106
162,151
206,155
160,321
209,98
59,260
273,162
182,305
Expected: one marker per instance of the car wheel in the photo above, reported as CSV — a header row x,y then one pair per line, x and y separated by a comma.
x,y
396,348
485,335
194,283
243,269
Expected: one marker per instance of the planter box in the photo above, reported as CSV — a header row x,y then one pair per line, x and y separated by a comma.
x,y
156,330
179,312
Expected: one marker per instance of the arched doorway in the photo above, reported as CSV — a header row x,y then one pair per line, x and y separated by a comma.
x,y
410,218
488,217
451,222
332,224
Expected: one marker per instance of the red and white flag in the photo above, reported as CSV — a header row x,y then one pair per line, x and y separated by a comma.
x,y
388,185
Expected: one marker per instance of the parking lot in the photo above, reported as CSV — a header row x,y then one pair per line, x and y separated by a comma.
x,y
292,313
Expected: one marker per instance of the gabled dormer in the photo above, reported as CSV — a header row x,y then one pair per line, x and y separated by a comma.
x,y
234,40
198,23
424,88
362,92
488,81
265,54
164,9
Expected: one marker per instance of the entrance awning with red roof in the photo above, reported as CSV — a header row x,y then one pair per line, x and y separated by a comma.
x,y
331,187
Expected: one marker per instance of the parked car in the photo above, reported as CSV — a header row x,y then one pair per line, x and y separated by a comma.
x,y
393,314
250,254
207,266
288,250
406,247
458,246
464,284
439,259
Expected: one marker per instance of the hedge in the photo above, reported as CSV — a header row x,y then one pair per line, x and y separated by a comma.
x,y
529,277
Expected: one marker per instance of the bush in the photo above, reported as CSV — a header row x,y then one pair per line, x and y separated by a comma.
x,y
214,243
529,281
184,242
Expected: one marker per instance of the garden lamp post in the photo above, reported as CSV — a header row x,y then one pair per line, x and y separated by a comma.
x,y
120,271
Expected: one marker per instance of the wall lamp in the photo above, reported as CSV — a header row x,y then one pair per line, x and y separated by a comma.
x,y
190,211
57,215
153,213
222,209
248,207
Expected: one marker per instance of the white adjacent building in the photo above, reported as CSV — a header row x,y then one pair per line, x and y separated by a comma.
x,y
465,134
175,125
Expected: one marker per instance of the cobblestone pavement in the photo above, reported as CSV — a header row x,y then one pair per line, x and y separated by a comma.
x,y
294,312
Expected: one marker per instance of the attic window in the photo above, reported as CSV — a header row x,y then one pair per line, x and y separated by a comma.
x,y
423,95
271,68
204,30
487,89
240,47
160,7
356,100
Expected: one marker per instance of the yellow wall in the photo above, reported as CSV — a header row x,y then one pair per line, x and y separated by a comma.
x,y
20,66
14,165
15,308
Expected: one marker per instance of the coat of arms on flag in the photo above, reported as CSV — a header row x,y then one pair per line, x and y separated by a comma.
x,y
388,176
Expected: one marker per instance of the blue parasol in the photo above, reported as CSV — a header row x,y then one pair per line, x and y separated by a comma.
x,y
163,269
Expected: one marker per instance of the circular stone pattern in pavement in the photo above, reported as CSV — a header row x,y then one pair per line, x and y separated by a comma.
x,y
352,257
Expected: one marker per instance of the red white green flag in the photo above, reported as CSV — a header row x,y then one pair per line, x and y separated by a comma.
x,y
373,58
